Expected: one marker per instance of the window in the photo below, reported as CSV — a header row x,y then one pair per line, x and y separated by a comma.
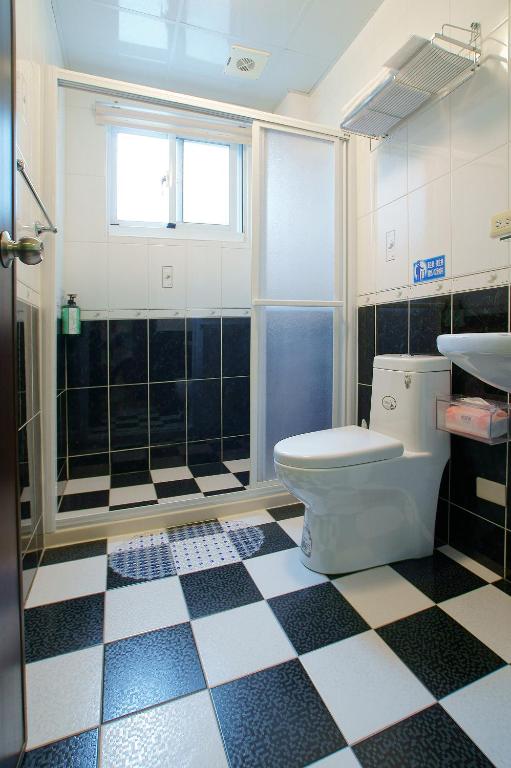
x,y
159,180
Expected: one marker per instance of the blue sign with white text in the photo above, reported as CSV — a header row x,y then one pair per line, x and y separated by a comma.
x,y
429,269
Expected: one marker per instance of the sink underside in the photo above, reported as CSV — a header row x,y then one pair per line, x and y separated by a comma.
x,y
485,355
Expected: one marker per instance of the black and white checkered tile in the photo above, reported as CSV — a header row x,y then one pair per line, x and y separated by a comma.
x,y
212,645
135,489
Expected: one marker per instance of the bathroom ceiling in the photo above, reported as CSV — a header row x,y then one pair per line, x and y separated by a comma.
x,y
183,45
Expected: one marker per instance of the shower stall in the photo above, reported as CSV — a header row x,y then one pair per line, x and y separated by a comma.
x,y
207,246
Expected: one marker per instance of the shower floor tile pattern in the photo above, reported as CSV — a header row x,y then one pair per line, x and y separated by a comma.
x,y
212,645
135,489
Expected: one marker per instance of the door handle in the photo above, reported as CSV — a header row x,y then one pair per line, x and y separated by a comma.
x,y
29,250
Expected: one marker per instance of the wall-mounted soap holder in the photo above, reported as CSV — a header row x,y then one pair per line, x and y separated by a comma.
x,y
484,420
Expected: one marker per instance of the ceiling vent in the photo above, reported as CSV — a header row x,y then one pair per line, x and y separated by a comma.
x,y
246,62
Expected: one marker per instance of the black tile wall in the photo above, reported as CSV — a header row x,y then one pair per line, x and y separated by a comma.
x,y
87,356
473,525
128,351
153,393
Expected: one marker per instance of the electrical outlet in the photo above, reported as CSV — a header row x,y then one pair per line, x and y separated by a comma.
x,y
501,224
167,277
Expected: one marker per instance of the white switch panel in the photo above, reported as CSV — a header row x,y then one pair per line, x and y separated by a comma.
x,y
167,277
489,490
501,224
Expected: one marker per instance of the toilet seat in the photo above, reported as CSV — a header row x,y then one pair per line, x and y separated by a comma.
x,y
339,447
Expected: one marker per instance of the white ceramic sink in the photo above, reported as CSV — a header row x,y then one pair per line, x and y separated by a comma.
x,y
485,355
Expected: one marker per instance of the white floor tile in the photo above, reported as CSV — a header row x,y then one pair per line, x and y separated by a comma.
x,y
364,684
342,759
381,595
485,612
64,581
131,494
235,643
186,497
171,474
63,695
469,564
217,482
203,552
293,526
245,520
86,484
83,513
238,465
482,710
143,608
281,572
182,733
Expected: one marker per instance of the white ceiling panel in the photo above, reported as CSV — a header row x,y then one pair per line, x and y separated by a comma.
x,y
183,45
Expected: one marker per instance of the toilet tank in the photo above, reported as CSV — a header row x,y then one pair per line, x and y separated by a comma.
x,y
403,401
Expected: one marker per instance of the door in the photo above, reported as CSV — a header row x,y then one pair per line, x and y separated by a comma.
x,y
297,288
11,654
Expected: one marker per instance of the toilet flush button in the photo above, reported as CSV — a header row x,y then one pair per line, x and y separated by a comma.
x,y
389,402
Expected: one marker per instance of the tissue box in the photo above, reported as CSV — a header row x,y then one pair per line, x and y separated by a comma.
x,y
473,417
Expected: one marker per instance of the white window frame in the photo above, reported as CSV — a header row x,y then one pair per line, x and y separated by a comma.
x,y
235,230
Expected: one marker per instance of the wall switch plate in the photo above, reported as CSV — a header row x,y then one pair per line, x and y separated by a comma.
x,y
501,224
390,245
489,490
167,277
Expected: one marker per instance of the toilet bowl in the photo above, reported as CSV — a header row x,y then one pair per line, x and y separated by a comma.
x,y
371,495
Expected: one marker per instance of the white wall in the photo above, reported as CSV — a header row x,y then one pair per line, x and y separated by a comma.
x,y
37,47
114,273
439,177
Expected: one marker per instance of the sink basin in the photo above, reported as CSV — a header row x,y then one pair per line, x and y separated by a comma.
x,y
485,355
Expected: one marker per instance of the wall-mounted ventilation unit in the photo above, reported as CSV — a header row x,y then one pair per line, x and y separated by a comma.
x,y
420,70
246,62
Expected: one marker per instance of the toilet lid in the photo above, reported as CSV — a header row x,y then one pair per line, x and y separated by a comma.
x,y
342,447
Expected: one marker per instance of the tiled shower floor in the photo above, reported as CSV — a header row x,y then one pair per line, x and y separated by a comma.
x,y
211,645
134,489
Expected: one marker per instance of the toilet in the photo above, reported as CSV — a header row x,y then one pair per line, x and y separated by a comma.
x,y
371,495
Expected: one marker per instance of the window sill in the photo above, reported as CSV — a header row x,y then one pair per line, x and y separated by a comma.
x,y
180,233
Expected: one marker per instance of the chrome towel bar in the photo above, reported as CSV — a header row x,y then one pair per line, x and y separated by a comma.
x,y
39,228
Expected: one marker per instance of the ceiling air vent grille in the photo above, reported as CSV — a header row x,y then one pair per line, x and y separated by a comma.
x,y
246,62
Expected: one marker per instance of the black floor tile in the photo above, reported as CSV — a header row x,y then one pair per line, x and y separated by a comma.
x,y
149,669
133,504
218,589
74,552
212,468
131,478
505,586
79,751
243,477
75,501
250,543
316,616
138,564
223,490
176,488
290,510
439,651
438,576
63,627
275,718
430,739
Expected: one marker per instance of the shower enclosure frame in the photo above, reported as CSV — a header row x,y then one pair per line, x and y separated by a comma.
x,y
268,493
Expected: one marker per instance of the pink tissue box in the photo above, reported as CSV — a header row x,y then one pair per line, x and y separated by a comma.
x,y
468,416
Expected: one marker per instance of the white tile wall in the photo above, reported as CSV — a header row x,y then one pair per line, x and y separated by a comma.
x,y
391,226
430,223
119,273
428,144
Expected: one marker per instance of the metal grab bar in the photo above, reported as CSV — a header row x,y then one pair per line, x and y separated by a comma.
x,y
39,228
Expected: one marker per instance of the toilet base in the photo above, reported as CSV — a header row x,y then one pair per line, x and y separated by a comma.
x,y
366,515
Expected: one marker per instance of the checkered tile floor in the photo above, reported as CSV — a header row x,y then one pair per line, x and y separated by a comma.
x,y
134,489
212,645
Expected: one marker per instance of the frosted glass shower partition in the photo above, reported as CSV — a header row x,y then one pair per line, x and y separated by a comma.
x,y
297,288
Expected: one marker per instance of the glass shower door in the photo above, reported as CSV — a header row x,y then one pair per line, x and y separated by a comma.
x,y
297,288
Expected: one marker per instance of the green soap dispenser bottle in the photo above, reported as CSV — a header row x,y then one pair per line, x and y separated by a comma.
x,y
71,322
